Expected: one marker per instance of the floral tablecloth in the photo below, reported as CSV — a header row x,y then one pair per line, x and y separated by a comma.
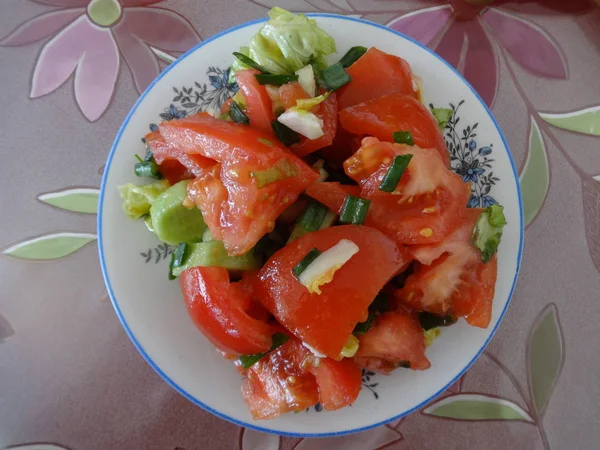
x,y
70,71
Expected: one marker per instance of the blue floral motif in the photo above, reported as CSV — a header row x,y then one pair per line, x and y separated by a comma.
x,y
469,160
190,100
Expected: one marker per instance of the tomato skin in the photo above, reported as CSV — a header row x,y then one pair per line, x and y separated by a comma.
x,y
292,92
259,107
327,111
376,74
325,321
339,382
381,117
451,279
394,338
236,209
280,382
217,308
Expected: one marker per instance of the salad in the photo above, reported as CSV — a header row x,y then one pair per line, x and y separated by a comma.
x,y
316,226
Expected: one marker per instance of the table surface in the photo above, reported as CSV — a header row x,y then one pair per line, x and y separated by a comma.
x,y
70,377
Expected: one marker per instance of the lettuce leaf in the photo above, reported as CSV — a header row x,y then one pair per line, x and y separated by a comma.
x,y
137,200
286,43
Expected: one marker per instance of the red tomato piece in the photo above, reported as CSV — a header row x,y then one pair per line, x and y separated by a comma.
x,y
327,112
476,308
451,278
395,339
280,382
376,74
339,382
237,208
217,307
382,116
173,161
332,194
259,107
325,321
226,106
292,92
428,201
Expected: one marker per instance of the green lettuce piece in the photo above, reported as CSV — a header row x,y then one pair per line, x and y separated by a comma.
x,y
488,231
286,43
137,200
442,116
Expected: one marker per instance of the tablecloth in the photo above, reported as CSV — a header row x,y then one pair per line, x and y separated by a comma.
x,y
71,69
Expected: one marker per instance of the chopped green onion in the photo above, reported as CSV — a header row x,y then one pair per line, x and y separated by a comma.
x,y
352,55
237,115
285,134
315,217
278,339
171,276
178,258
147,167
334,77
394,173
403,137
380,304
363,327
302,265
245,60
429,320
312,216
275,80
354,210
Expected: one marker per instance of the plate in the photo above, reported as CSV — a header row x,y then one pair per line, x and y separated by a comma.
x,y
151,308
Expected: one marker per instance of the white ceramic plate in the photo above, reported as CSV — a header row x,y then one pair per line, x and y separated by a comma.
x,y
151,308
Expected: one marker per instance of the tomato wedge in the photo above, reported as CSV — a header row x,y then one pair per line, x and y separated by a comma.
x,y
259,107
451,279
290,93
396,339
375,74
175,165
325,321
280,382
382,116
339,382
428,200
255,179
328,113
218,308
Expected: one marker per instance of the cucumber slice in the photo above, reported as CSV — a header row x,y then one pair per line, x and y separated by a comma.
x,y
174,223
213,254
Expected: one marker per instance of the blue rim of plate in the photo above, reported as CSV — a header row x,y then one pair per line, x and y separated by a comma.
x,y
138,346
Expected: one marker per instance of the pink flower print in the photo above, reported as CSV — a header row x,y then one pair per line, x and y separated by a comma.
x,y
89,38
89,49
462,33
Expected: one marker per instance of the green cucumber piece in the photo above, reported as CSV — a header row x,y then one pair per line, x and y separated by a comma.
x,y
213,254
174,223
